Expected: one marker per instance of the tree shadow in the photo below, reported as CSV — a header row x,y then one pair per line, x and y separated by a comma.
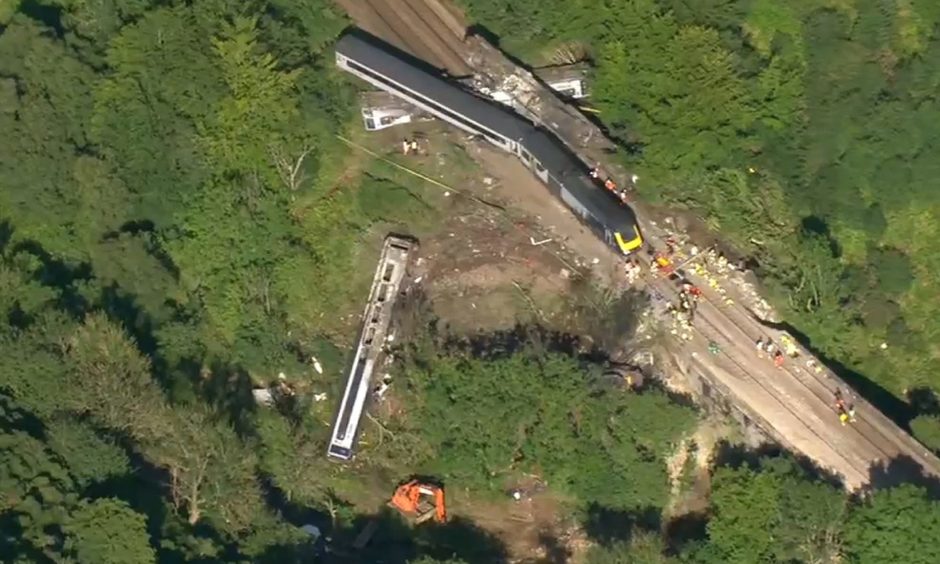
x,y
228,389
507,342
685,530
6,235
49,15
607,526
146,229
13,417
738,456
555,551
60,275
923,401
395,542
121,306
903,470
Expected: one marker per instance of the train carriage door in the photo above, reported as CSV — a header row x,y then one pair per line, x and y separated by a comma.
x,y
540,171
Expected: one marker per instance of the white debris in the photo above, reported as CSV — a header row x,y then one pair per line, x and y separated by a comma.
x,y
446,193
595,260
380,391
263,396
419,279
281,376
319,397
316,365
311,530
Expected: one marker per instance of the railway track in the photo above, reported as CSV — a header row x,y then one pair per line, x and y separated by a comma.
x,y
873,440
426,29
780,405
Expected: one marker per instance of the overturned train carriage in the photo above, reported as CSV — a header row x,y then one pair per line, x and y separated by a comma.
x,y
565,175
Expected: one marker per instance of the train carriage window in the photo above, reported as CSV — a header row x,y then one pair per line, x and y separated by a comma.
x,y
524,154
494,139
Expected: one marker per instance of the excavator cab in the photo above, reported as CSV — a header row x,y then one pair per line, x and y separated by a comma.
x,y
420,502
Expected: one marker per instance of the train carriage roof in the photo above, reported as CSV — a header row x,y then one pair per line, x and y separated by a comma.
x,y
605,206
407,71
571,172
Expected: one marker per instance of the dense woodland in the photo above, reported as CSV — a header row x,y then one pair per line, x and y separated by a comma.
x,y
176,224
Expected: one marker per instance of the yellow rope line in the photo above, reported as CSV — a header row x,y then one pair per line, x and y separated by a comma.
x,y
452,189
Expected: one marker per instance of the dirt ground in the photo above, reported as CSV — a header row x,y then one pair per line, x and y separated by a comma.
x,y
483,268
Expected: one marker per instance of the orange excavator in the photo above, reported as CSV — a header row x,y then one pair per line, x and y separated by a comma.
x,y
420,500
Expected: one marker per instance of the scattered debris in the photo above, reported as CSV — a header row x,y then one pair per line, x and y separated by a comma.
x,y
379,391
263,396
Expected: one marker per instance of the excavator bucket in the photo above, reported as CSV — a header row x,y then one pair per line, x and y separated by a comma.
x,y
420,502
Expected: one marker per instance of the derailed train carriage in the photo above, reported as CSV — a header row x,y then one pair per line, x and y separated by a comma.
x,y
561,171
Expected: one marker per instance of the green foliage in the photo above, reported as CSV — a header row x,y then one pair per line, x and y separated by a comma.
x,y
143,194
89,456
772,514
642,548
108,531
289,456
896,524
927,430
36,492
556,418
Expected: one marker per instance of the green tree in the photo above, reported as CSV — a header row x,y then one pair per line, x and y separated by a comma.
x,y
642,548
598,443
212,472
108,531
894,524
35,495
89,457
772,513
927,430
